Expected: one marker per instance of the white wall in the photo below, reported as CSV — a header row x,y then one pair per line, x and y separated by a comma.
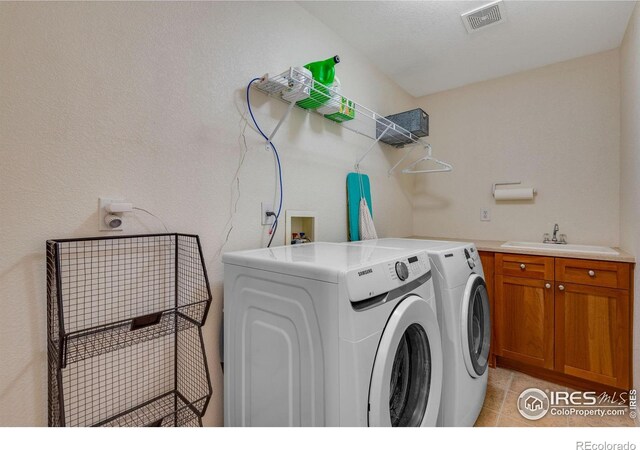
x,y
630,163
555,128
144,101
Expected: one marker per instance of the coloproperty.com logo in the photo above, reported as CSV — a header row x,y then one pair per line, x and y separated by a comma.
x,y
534,404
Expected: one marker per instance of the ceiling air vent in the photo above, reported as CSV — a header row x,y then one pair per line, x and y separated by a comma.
x,y
484,16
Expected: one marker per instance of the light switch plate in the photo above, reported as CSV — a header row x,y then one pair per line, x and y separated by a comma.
x,y
485,214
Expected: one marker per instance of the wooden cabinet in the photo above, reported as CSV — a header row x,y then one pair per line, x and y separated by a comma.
x,y
525,309
592,333
568,316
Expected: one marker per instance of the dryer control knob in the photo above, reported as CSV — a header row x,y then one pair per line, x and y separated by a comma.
x,y
402,270
470,261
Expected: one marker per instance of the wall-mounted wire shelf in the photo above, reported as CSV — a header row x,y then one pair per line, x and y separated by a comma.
x,y
293,84
124,317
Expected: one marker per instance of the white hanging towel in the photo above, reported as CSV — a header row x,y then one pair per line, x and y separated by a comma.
x,y
367,228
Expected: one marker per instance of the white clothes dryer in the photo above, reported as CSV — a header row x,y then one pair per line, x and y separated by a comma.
x,y
328,334
465,324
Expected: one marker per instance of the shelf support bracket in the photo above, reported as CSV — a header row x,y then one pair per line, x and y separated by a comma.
x,y
406,155
357,165
284,117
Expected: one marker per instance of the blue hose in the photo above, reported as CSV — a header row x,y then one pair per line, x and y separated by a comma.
x,y
275,152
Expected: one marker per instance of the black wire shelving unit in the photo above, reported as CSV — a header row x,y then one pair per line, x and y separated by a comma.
x,y
124,331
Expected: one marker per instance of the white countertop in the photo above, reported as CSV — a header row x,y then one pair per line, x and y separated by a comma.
x,y
496,247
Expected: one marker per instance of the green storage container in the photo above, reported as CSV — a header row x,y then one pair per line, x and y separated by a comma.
x,y
323,74
347,111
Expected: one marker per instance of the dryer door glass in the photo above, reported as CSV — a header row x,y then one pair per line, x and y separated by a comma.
x,y
410,378
478,325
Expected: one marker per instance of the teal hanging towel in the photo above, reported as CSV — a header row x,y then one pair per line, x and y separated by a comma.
x,y
358,186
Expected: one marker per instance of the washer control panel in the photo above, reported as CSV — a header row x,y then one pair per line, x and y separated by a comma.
x,y
409,268
380,278
402,271
471,257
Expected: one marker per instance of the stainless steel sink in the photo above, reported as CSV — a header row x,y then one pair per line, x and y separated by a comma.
x,y
569,248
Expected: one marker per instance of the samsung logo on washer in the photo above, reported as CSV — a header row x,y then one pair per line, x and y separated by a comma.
x,y
365,272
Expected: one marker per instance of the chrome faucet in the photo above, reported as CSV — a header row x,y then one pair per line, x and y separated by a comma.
x,y
555,239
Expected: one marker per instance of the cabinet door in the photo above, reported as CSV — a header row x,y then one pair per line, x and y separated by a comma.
x,y
488,267
592,329
525,322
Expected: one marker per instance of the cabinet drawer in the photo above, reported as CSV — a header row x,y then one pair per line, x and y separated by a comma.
x,y
524,266
593,273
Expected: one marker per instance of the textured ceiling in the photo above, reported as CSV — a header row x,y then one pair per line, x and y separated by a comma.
x,y
424,47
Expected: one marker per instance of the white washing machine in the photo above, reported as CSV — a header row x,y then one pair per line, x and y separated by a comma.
x,y
330,335
465,324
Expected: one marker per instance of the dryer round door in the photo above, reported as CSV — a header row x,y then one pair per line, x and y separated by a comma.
x,y
406,382
476,326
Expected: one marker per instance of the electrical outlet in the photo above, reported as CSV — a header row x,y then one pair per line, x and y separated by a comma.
x,y
267,207
485,214
102,213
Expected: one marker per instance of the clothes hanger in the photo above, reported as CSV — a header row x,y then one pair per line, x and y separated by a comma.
x,y
445,167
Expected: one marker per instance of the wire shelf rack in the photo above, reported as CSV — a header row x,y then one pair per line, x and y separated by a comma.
x,y
81,346
293,85
132,386
168,410
366,122
124,317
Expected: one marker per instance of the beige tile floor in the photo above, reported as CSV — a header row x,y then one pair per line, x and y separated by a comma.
x,y
500,410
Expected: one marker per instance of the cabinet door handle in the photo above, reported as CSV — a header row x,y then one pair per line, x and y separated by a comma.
x,y
561,287
592,273
548,285
522,267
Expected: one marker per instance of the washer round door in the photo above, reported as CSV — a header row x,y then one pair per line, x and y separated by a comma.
x,y
476,326
406,382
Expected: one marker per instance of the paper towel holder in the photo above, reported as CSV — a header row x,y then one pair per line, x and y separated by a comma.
x,y
506,183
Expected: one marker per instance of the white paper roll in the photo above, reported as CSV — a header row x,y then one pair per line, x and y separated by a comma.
x,y
514,194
